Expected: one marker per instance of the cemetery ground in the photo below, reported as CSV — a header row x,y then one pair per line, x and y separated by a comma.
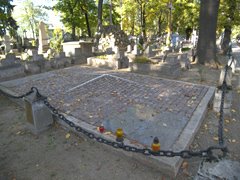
x,y
59,154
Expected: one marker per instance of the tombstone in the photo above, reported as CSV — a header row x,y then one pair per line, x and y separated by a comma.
x,y
148,51
6,42
93,49
32,52
60,55
129,48
10,60
116,51
86,48
38,57
109,50
136,50
174,40
43,39
194,38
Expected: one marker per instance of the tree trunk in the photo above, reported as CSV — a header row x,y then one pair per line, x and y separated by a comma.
x,y
228,26
73,32
206,48
110,15
160,21
226,39
144,22
100,3
88,25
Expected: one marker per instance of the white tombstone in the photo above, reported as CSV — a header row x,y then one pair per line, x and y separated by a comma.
x,y
135,51
194,37
129,48
43,38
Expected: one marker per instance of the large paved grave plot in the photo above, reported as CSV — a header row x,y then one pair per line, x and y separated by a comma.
x,y
143,106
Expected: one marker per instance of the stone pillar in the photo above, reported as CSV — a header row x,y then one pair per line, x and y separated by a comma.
x,y
129,48
227,101
39,118
43,39
6,41
228,77
232,63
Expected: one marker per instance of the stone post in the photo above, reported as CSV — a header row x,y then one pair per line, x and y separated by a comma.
x,y
228,77
227,101
38,116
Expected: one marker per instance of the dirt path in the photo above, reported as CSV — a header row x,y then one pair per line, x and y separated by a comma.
x,y
56,155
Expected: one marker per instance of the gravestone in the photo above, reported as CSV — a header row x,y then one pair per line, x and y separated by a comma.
x,y
10,60
129,48
10,67
43,38
136,50
6,42
32,52
148,51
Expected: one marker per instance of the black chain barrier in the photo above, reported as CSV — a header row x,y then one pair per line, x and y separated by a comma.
x,y
206,153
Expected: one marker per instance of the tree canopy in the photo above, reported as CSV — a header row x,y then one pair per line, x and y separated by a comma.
x,y
29,16
147,18
6,20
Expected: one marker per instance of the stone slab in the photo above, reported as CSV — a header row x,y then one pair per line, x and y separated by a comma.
x,y
143,106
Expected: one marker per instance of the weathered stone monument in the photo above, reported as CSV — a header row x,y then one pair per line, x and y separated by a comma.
x,y
6,42
43,38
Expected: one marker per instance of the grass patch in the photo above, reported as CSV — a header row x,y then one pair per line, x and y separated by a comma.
x,y
142,59
102,57
186,49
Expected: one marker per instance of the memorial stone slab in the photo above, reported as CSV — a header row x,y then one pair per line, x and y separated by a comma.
x,y
43,38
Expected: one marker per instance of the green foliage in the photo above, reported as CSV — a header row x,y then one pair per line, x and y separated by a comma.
x,y
57,40
6,20
102,57
73,14
29,16
185,15
142,59
186,49
229,15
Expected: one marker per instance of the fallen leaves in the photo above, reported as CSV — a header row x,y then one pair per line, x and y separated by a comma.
x,y
227,121
225,130
232,140
67,136
184,167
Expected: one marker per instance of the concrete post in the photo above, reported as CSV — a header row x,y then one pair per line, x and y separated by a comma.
x,y
38,116
228,77
227,101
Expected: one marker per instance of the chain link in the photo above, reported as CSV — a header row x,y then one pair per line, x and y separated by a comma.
x,y
207,153
21,96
